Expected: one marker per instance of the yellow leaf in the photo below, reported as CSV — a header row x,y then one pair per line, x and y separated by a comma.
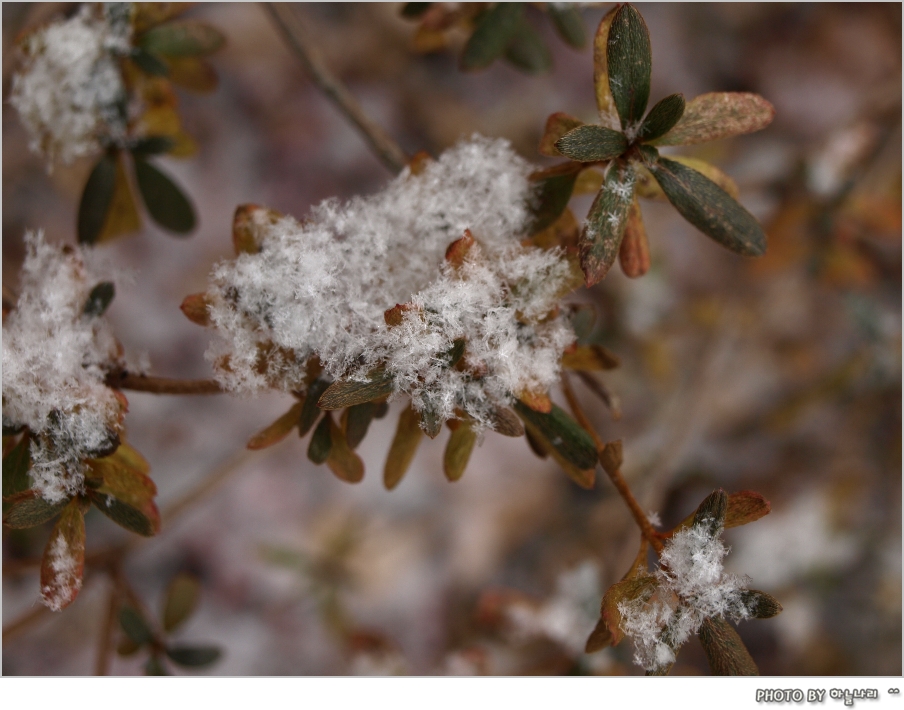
x,y
122,217
404,446
458,450
343,462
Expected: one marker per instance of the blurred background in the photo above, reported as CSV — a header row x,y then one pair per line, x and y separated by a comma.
x,y
780,375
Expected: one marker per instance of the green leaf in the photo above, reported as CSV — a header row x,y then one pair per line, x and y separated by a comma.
x,y
99,299
495,29
153,145
568,23
562,433
430,421
458,450
309,410
415,9
183,38
403,448
629,64
724,649
345,464
357,422
590,143
181,600
347,393
193,656
719,114
96,199
553,191
126,496
759,605
155,667
321,441
709,208
166,204
31,510
527,50
63,563
606,222
15,468
710,514
148,63
134,626
661,118
557,125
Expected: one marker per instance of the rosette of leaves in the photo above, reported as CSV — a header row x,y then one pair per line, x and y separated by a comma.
x,y
625,144
497,31
338,413
641,588
139,633
116,482
166,51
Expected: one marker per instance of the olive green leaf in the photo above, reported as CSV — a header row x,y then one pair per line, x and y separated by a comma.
x,y
193,656
758,604
166,203
153,145
278,430
345,464
719,114
562,433
590,143
347,393
356,421
458,450
552,193
148,63
309,409
403,448
709,208
606,222
710,514
495,30
134,626
181,600
183,38
99,299
126,495
96,199
28,509
648,188
724,649
661,118
568,23
15,468
557,125
527,51
629,64
321,441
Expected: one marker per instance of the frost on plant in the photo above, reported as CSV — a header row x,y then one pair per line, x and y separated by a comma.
x,y
69,89
321,288
692,587
55,357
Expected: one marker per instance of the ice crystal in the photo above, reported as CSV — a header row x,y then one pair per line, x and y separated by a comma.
x,y
320,287
70,84
692,587
54,360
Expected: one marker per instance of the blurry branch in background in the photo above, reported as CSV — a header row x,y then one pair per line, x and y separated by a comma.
x,y
161,385
287,17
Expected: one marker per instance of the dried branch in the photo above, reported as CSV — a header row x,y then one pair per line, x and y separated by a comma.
x,y
161,385
287,17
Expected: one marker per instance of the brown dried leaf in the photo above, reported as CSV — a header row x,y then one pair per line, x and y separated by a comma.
x,y
458,450
640,587
506,422
590,357
557,125
634,253
611,457
197,309
63,563
342,461
724,649
192,73
458,250
122,215
278,430
719,114
126,495
248,226
604,100
346,393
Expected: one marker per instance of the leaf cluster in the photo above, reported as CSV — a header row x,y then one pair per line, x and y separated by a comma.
x,y
180,603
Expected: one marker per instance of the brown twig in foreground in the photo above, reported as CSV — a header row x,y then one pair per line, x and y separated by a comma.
x,y
287,18
621,485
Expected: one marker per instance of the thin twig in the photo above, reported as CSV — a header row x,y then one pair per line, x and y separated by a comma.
x,y
288,20
161,385
105,641
621,485
205,487
27,619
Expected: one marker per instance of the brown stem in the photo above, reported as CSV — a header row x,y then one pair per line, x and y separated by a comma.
x,y
288,19
161,385
105,642
27,619
621,485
